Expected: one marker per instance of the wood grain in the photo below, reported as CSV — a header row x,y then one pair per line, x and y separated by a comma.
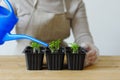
x,y
14,68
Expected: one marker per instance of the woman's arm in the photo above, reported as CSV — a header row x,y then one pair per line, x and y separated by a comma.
x,y
79,25
82,33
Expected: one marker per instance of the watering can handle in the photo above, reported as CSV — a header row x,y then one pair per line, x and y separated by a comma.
x,y
9,5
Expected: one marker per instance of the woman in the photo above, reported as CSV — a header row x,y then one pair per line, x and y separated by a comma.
x,y
50,20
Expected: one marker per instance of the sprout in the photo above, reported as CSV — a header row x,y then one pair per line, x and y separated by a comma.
x,y
54,45
74,47
35,46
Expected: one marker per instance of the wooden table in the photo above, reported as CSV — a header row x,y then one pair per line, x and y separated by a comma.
x,y
14,68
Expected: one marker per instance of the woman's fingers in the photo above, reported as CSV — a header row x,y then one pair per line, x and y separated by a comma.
x,y
91,57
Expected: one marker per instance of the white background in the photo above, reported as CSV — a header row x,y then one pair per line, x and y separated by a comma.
x,y
104,22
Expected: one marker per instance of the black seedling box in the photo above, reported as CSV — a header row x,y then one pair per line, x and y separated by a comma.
x,y
55,61
75,61
34,60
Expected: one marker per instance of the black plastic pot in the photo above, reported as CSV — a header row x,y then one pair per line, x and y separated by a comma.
x,y
55,61
34,60
75,61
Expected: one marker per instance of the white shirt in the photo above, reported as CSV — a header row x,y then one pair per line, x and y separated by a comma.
x,y
49,20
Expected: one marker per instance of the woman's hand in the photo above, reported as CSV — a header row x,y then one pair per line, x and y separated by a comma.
x,y
91,55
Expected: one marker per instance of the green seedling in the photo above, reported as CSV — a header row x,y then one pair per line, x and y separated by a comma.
x,y
74,47
35,46
54,45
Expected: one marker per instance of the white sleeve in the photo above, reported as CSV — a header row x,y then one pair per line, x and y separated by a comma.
x,y
79,25
2,3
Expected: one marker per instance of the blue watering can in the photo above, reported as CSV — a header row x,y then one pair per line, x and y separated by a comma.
x,y
7,21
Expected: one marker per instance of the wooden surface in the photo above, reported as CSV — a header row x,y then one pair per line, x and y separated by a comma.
x,y
14,68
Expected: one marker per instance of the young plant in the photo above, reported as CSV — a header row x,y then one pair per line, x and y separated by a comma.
x,y
35,46
54,45
74,47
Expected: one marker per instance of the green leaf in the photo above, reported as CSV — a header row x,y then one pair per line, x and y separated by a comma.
x,y
54,45
35,46
74,47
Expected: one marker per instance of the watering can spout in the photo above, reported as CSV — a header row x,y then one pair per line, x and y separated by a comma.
x,y
9,37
